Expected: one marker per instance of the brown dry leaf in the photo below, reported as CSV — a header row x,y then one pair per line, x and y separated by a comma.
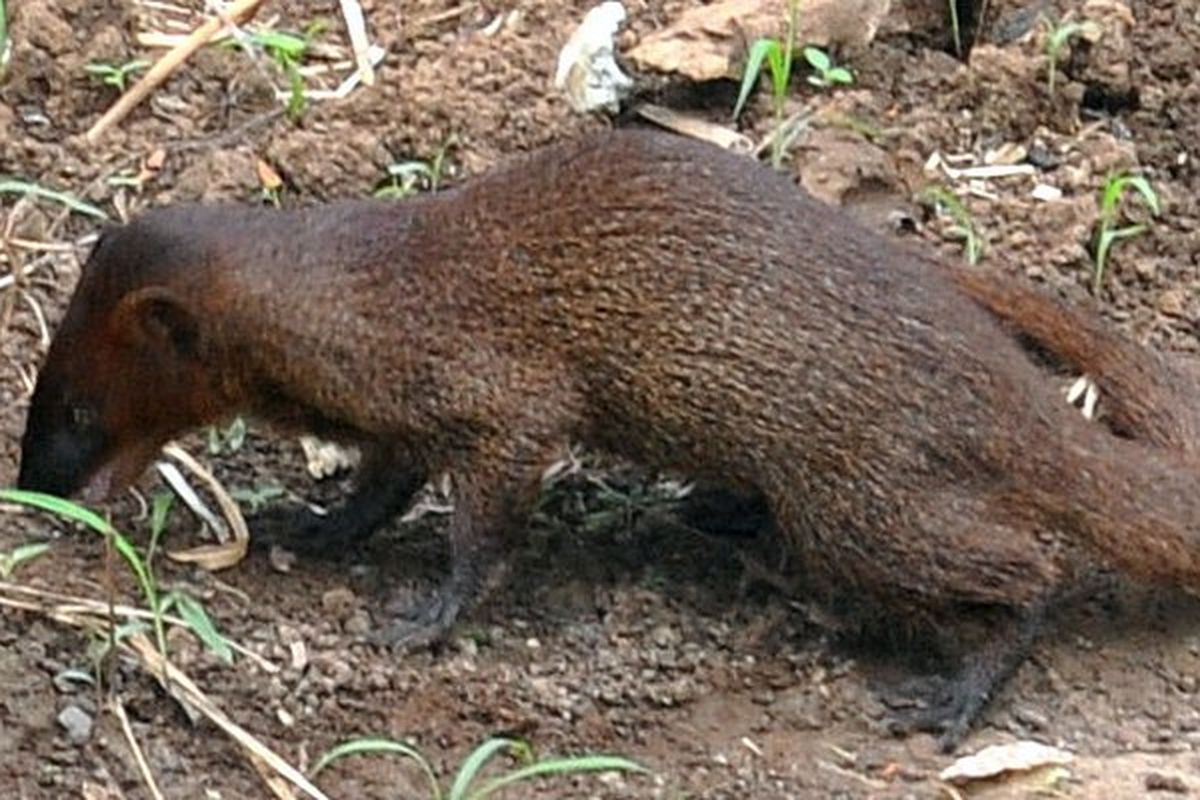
x,y
268,177
710,42
154,162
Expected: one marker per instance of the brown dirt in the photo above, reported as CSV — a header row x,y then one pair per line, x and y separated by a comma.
x,y
618,633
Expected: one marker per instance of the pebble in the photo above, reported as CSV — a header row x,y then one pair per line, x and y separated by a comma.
x,y
77,724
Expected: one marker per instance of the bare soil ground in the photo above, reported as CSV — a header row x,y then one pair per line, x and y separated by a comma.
x,y
619,632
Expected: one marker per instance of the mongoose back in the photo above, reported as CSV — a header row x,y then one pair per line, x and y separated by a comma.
x,y
642,294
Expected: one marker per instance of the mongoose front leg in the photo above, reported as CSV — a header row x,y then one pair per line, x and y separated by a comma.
x,y
384,487
494,495
719,511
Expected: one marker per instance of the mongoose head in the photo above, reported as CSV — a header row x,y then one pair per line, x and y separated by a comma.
x,y
126,371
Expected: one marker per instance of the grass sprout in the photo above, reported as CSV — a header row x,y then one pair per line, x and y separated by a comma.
x,y
187,607
406,178
288,51
778,56
1108,228
468,783
826,74
115,75
945,201
1061,33
21,554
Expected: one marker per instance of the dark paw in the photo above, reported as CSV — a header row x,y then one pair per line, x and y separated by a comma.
x,y
719,512
945,707
299,530
424,623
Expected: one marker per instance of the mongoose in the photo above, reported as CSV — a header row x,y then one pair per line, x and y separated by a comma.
x,y
649,296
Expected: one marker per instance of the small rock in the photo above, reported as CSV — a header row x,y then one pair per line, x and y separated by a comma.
x,y
298,654
1158,782
1173,302
77,723
358,623
1034,720
338,602
1146,269
665,636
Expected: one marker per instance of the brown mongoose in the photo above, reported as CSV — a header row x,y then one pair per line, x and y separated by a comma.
x,y
645,295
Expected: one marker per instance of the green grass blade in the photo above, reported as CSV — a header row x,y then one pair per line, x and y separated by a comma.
x,y
754,61
12,560
4,49
74,204
59,507
77,513
475,762
202,625
559,766
373,745
777,66
1142,186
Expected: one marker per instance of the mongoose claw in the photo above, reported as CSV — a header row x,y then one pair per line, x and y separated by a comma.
x,y
947,707
423,623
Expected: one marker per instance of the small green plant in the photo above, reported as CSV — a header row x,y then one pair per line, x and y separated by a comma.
x,y
229,440
406,178
1108,230
74,512
288,51
189,609
778,57
825,73
947,202
115,75
1061,34
467,784
257,497
21,554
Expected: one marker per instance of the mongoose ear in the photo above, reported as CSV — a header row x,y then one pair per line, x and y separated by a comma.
x,y
157,317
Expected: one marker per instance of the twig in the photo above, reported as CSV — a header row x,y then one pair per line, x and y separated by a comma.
x,y
240,11
356,26
138,756
180,682
213,557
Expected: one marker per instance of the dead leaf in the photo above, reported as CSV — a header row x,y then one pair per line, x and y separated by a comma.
x,y
268,177
1002,759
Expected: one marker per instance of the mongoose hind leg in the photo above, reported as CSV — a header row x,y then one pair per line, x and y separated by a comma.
x,y
950,706
384,487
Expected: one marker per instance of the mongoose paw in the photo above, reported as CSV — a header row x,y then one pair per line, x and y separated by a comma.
x,y
947,707
423,623
719,512
299,530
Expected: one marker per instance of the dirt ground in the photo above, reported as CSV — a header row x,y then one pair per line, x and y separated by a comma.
x,y
619,632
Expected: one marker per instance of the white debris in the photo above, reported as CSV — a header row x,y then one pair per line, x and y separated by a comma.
x,y
587,70
1001,759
